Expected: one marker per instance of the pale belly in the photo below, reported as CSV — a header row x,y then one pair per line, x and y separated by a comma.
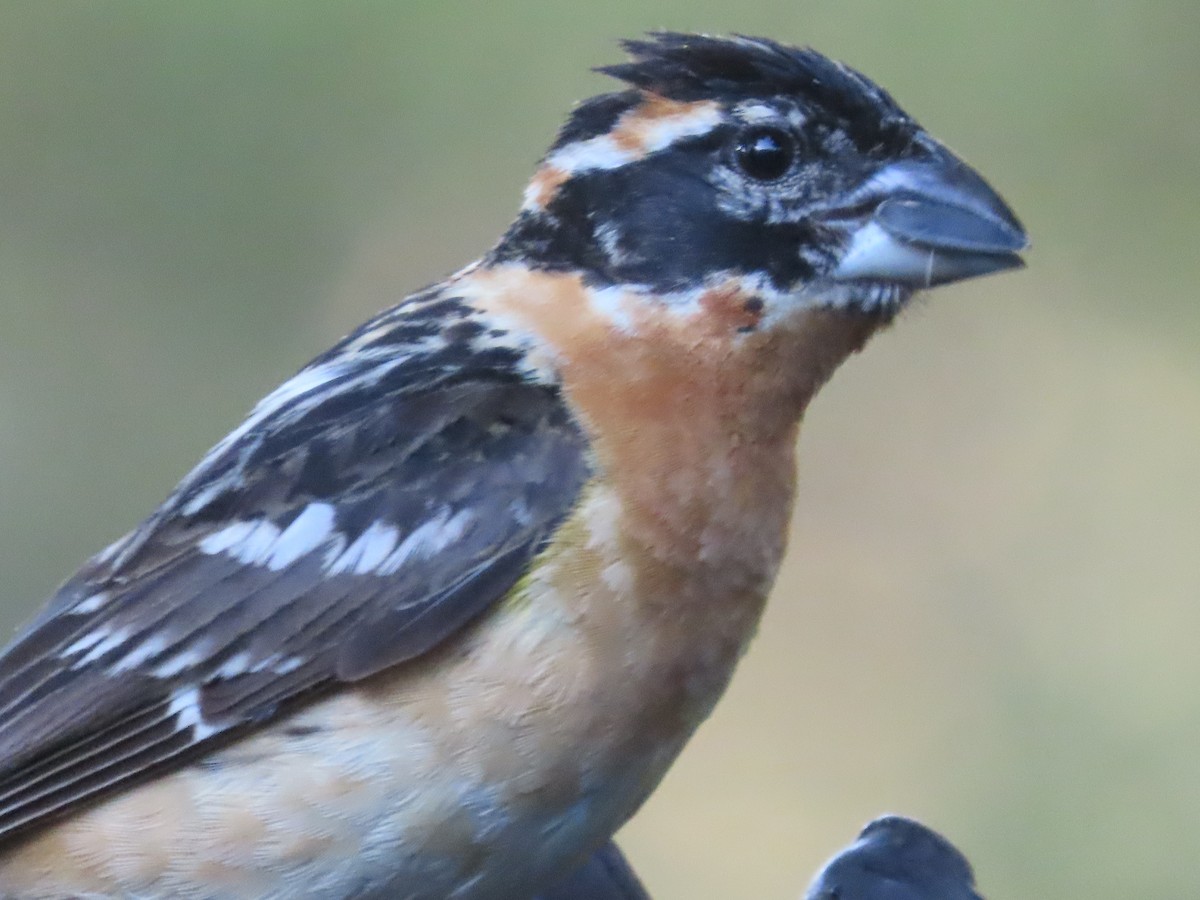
x,y
482,773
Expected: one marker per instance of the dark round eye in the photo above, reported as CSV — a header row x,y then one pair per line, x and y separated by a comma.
x,y
765,153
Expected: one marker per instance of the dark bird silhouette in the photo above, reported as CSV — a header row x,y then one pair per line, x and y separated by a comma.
x,y
896,858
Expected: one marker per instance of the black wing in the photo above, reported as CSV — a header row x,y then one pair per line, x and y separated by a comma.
x,y
367,510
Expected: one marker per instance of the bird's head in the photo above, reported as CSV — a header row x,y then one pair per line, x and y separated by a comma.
x,y
743,159
896,858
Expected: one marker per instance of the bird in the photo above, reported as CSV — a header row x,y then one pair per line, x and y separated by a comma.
x,y
435,619
896,858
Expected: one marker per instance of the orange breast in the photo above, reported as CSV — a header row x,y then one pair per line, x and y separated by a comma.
x,y
490,761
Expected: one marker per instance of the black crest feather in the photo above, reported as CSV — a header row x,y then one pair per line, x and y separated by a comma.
x,y
698,66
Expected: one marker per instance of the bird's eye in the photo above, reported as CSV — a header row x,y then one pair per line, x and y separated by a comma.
x,y
765,153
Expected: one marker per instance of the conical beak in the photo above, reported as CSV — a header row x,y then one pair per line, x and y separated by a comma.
x,y
924,223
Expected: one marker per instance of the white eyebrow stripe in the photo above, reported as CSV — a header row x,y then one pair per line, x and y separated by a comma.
x,y
664,132
596,153
755,113
752,113
605,151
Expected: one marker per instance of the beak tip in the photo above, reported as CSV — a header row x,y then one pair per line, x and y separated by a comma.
x,y
937,222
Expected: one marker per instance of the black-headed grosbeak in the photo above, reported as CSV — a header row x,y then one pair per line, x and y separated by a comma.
x,y
895,858
437,617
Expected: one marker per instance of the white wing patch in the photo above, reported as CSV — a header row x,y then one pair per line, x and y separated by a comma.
x,y
308,531
96,644
182,661
238,664
431,537
379,550
367,553
146,650
89,640
91,603
244,541
185,703
261,542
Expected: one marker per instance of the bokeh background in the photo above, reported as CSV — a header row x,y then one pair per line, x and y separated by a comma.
x,y
990,616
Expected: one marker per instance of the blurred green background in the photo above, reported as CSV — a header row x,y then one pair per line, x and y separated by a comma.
x,y
990,615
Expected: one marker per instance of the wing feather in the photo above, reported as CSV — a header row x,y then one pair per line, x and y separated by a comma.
x,y
348,526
